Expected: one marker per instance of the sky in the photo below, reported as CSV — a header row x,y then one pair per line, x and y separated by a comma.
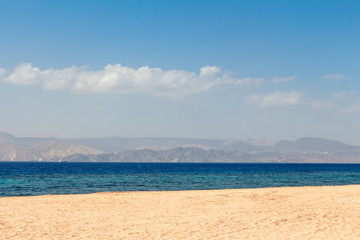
x,y
200,69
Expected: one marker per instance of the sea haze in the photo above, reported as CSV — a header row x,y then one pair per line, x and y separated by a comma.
x,y
30,178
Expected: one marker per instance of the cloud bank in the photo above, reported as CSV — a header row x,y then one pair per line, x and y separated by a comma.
x,y
120,79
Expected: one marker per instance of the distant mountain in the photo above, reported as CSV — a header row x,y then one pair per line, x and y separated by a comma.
x,y
115,144
123,149
181,154
194,154
6,137
314,144
37,149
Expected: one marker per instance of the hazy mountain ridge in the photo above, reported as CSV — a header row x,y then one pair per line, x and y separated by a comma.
x,y
314,144
38,149
123,149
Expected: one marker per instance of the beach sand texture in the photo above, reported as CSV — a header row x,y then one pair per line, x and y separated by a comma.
x,y
270,213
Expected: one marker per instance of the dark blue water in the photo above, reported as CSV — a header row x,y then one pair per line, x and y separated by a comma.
x,y
27,178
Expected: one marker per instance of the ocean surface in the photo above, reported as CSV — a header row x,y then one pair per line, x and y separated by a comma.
x,y
30,178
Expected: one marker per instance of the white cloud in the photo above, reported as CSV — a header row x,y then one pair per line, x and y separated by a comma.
x,y
277,99
333,101
343,94
316,104
351,109
25,74
249,81
283,79
121,79
2,72
334,76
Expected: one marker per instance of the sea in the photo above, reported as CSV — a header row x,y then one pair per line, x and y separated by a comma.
x,y
42,178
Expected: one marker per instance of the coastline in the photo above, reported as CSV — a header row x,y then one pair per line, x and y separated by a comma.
x,y
326,212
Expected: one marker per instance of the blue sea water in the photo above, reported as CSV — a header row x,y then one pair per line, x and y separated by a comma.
x,y
30,178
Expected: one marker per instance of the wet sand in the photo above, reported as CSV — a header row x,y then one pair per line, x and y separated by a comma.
x,y
270,213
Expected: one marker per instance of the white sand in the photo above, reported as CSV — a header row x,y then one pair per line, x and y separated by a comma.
x,y
271,213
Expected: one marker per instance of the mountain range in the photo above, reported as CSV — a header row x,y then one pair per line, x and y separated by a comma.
x,y
125,149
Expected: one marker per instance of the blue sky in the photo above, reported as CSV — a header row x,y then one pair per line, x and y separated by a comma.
x,y
204,69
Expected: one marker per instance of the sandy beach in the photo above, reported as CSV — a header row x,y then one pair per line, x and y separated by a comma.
x,y
270,213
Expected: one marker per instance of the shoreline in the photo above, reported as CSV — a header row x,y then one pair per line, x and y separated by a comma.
x,y
322,212
175,191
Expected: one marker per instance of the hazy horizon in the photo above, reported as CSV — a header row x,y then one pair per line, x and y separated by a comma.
x,y
248,140
272,70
